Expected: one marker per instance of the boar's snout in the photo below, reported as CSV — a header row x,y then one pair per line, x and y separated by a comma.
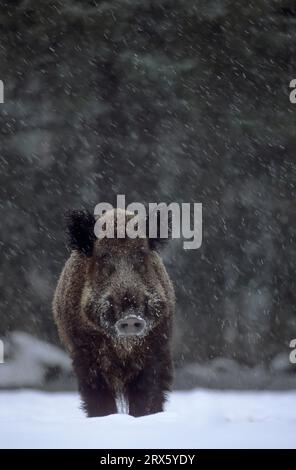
x,y
130,325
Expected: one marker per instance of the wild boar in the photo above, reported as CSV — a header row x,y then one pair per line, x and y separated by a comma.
x,y
114,306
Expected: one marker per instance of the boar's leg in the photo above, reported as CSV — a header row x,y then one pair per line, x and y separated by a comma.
x,y
147,394
97,398
97,401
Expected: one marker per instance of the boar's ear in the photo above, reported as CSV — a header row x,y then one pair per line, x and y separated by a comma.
x,y
80,231
158,242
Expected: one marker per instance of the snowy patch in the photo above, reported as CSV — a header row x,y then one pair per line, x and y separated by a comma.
x,y
196,419
29,362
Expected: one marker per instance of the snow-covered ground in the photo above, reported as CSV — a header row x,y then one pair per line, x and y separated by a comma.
x,y
197,419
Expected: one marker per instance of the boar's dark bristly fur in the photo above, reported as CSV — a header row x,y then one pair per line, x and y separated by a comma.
x,y
80,231
104,282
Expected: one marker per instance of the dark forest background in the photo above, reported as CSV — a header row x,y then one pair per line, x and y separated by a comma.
x,y
167,100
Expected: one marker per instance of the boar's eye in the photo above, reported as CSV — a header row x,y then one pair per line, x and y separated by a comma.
x,y
109,303
109,300
104,257
109,310
109,269
106,264
140,266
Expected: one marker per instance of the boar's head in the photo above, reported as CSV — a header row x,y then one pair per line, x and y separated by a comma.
x,y
127,293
